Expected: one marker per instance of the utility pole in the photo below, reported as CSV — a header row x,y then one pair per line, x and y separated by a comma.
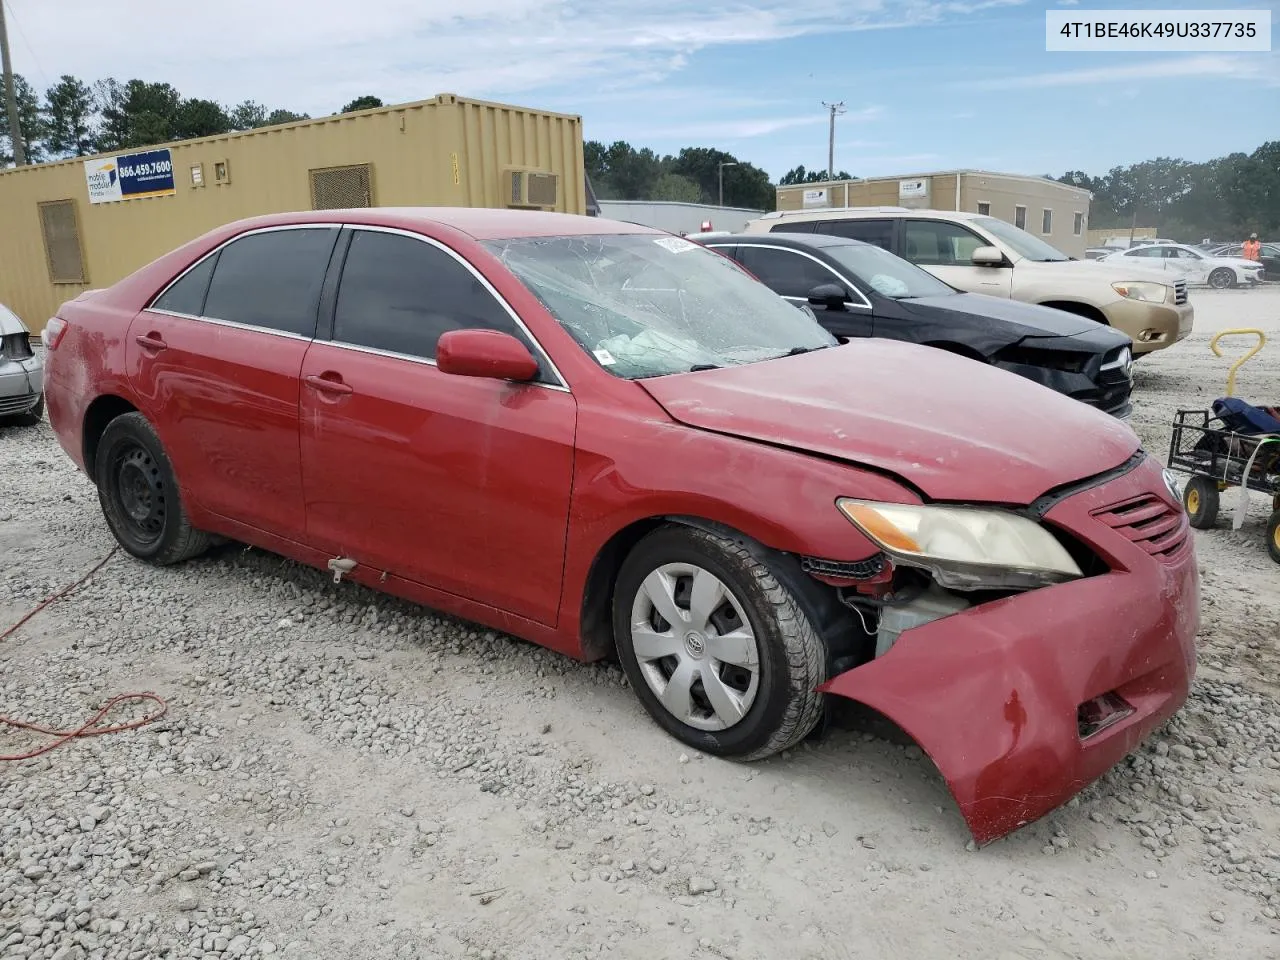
x,y
11,96
835,109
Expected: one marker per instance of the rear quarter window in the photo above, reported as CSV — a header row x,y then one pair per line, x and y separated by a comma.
x,y
186,296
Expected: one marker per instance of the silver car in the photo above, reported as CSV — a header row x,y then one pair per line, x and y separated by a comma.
x,y
21,373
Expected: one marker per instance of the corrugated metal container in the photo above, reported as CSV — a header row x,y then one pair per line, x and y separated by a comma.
x,y
446,151
1028,202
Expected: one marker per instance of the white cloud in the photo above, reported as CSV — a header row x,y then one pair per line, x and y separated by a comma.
x,y
1259,68
313,55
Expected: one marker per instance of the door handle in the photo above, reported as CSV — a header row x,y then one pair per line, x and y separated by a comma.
x,y
326,385
151,341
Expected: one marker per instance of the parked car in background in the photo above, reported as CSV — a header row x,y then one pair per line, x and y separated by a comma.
x,y
21,373
1097,253
1270,257
859,290
982,254
609,440
1195,266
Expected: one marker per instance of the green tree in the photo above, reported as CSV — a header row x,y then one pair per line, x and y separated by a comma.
x,y
199,118
674,187
247,115
68,115
366,102
285,116
29,119
136,114
745,184
799,175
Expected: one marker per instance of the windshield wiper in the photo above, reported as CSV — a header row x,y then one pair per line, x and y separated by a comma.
x,y
704,366
796,351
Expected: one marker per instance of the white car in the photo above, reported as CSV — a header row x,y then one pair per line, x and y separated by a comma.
x,y
1195,266
21,372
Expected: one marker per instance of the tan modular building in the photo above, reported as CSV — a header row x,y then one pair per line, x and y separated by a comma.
x,y
1056,212
77,224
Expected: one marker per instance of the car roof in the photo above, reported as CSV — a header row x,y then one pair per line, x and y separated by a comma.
x,y
850,213
480,223
791,239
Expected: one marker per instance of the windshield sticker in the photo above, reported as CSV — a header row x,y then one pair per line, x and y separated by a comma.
x,y
605,357
675,244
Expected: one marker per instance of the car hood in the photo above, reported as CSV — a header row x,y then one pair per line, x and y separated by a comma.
x,y
1106,270
1025,319
954,428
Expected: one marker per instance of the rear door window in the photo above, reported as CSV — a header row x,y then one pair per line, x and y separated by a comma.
x,y
876,232
186,296
400,294
272,279
786,272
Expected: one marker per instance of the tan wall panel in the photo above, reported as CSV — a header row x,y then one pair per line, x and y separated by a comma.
x,y
410,149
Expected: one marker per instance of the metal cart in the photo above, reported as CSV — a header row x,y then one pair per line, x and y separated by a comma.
x,y
1217,458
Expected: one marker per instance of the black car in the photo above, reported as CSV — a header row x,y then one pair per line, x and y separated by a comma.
x,y
856,289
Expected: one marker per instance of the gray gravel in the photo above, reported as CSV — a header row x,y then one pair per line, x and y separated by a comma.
x,y
342,774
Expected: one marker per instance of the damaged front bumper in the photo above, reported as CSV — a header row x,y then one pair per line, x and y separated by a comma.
x,y
1015,700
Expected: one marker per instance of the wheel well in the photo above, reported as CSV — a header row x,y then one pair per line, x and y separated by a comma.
x,y
829,617
1079,309
100,413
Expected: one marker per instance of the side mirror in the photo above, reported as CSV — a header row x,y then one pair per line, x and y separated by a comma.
x,y
485,353
987,257
829,295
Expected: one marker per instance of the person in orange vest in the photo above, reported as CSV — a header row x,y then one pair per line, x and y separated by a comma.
x,y
1252,248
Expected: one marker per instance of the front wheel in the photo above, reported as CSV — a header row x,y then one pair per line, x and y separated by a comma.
x,y
1200,499
1273,536
1222,278
719,652
139,494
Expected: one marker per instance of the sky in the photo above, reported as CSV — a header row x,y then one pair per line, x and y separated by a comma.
x,y
927,84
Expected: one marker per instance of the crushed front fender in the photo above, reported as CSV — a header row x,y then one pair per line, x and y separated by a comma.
x,y
993,694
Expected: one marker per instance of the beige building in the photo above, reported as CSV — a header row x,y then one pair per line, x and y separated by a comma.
x,y
76,224
1056,212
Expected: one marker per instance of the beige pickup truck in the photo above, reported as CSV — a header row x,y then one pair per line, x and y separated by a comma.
x,y
980,254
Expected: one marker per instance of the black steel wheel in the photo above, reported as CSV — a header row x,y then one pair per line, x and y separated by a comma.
x,y
1200,498
139,494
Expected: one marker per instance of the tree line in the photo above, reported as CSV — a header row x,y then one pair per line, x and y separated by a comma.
x,y
1224,199
74,119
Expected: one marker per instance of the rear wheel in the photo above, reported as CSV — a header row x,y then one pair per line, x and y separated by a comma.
x,y
139,494
718,651
1222,278
1273,536
1200,498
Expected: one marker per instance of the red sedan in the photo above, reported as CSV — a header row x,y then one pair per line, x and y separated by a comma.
x,y
611,441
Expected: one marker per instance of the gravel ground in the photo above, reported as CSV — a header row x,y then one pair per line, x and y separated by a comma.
x,y
343,775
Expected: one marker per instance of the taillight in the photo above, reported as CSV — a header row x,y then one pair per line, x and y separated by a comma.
x,y
53,333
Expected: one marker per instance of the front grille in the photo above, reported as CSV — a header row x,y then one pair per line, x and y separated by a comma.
x,y
10,405
1149,522
1180,292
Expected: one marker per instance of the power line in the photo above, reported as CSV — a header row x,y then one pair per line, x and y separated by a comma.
x,y
13,16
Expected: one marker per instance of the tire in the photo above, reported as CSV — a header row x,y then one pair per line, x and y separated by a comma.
x,y
32,416
1222,278
1200,500
139,494
767,699
1273,536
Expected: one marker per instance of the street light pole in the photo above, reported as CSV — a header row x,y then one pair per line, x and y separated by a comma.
x,y
834,109
11,96
720,171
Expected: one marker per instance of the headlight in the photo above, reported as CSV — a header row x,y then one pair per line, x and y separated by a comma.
x,y
1147,291
965,548
1171,482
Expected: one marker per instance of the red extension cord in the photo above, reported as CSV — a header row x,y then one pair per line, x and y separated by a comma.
x,y
90,729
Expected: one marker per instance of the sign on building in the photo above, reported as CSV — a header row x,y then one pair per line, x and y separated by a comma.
x,y
815,198
130,176
912,189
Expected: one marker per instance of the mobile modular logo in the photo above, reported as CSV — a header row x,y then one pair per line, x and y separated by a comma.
x,y
130,176
103,180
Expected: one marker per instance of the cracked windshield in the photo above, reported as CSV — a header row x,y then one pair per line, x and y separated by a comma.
x,y
648,306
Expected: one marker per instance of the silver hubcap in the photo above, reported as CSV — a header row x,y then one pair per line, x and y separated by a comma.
x,y
695,647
